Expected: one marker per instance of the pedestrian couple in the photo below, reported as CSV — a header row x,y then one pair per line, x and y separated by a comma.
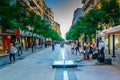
x,y
88,50
75,47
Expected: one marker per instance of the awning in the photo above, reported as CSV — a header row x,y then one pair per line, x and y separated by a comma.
x,y
112,30
103,33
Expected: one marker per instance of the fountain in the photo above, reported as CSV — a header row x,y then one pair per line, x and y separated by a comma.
x,y
63,62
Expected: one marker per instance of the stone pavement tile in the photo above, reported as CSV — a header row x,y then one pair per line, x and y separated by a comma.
x,y
4,60
30,69
117,54
98,73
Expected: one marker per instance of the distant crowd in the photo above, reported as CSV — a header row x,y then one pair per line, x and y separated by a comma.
x,y
88,50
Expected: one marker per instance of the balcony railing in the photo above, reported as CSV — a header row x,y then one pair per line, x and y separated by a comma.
x,y
87,4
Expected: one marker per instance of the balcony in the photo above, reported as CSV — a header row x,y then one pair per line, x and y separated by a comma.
x,y
37,5
87,4
31,3
96,2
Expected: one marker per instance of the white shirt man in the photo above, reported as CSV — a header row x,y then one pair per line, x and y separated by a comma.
x,y
72,48
101,45
72,45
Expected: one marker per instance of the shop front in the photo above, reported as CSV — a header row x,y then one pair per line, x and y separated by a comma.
x,y
26,37
9,36
113,38
1,41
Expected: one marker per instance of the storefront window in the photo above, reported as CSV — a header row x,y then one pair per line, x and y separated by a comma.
x,y
117,42
1,47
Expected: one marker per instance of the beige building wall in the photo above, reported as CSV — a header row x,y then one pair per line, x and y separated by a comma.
x,y
40,8
87,5
56,27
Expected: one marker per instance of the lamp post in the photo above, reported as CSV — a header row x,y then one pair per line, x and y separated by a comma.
x,y
113,41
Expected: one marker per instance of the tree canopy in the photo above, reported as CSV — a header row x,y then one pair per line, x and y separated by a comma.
x,y
109,13
16,16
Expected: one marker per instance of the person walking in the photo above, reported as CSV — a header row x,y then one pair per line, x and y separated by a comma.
x,y
91,51
72,47
17,46
53,46
101,55
20,47
26,46
12,52
77,48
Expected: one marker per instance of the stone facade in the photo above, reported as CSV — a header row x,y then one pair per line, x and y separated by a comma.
x,y
56,27
40,8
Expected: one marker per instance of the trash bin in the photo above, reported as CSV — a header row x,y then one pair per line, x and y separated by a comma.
x,y
95,56
108,61
100,57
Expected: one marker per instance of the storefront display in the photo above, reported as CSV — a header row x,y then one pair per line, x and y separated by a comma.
x,y
1,45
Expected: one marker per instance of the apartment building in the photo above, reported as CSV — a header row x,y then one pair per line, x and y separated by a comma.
x,y
77,13
56,26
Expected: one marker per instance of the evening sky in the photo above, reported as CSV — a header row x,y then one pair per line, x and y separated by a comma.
x,y
63,12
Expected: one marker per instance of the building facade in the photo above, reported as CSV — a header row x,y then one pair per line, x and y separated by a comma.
x,y
89,4
77,13
7,35
56,27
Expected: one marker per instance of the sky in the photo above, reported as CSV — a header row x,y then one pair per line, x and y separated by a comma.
x,y
63,12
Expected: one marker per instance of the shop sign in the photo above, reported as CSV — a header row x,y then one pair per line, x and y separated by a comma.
x,y
17,32
9,31
41,37
22,33
34,35
29,34
48,39
38,36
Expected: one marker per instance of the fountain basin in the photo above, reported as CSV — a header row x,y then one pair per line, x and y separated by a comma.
x,y
63,64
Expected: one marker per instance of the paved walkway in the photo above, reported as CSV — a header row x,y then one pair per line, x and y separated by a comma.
x,y
4,58
33,67
117,58
38,67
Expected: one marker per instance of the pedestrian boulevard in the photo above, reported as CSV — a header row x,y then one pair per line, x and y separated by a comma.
x,y
37,66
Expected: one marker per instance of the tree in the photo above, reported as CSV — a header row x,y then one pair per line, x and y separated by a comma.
x,y
86,24
11,14
111,11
